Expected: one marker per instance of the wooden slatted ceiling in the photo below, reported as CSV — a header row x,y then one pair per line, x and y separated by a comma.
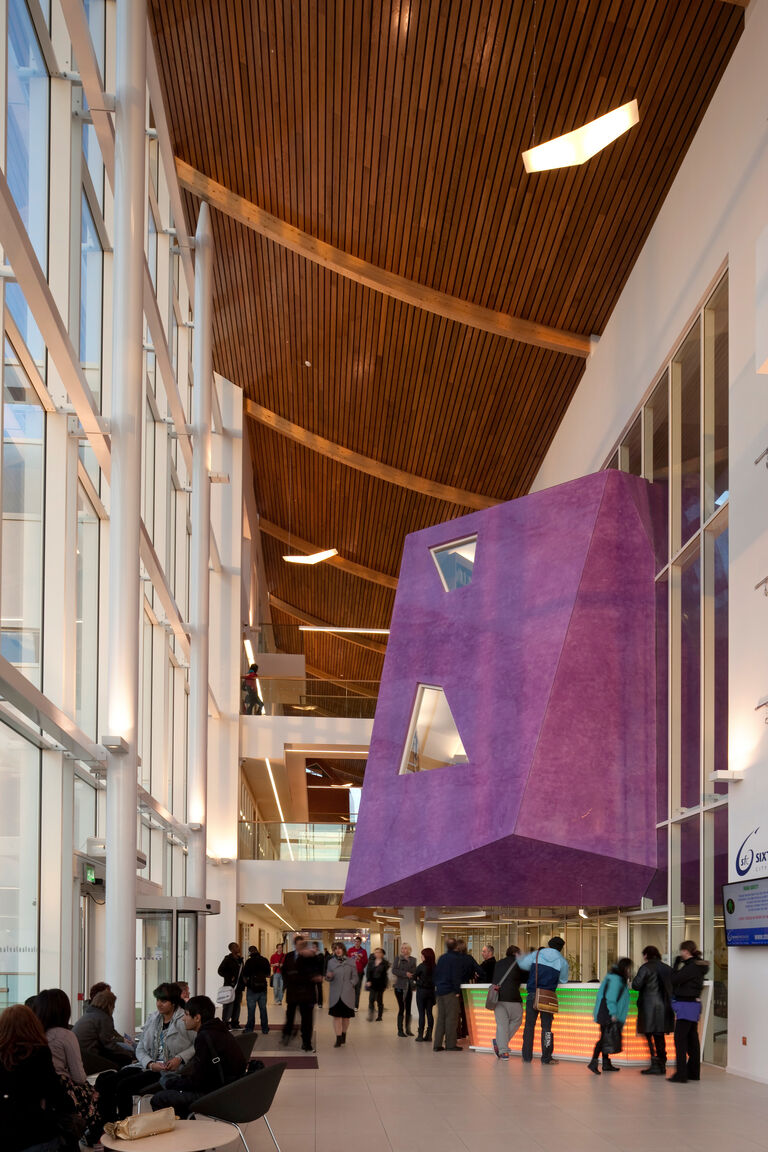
x,y
392,129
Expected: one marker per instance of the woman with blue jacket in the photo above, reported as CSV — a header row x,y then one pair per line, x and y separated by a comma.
x,y
611,1005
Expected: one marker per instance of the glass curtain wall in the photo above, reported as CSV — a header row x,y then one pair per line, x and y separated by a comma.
x,y
684,453
23,476
19,867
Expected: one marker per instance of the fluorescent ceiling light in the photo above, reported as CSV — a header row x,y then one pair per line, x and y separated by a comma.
x,y
330,628
456,916
583,914
271,909
249,651
279,808
580,145
313,558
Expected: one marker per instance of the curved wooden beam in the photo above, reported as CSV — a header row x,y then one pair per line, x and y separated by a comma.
x,y
389,283
305,618
365,463
295,542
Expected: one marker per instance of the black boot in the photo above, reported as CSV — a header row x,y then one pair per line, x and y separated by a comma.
x,y
343,1038
656,1069
428,1035
408,1029
608,1067
593,1066
339,1042
420,1037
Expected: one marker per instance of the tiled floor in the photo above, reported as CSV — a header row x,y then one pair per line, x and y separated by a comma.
x,y
380,1093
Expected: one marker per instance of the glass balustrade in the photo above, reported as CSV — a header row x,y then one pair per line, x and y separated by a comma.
x,y
300,696
274,840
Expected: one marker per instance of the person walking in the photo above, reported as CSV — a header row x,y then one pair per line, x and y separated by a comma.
x,y
300,975
451,971
360,957
403,970
508,1010
546,968
376,981
231,972
688,973
611,1007
655,1018
424,983
256,972
343,977
276,962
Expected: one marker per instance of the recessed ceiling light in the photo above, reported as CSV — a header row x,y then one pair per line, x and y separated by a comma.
x,y
313,558
580,145
307,364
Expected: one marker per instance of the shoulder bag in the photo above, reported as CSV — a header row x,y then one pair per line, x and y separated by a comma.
x,y
492,998
225,994
544,999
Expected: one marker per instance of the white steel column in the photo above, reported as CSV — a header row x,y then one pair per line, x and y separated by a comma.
x,y
197,777
125,505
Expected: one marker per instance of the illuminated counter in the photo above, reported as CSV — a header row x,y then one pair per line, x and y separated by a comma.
x,y
574,1029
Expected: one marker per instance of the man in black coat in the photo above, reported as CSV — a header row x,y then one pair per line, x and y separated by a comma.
x,y
231,972
655,1018
256,971
302,971
687,982
217,1060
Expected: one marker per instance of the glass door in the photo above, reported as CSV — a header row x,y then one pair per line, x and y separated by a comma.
x,y
186,949
154,958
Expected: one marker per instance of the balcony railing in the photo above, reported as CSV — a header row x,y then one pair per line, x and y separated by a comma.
x,y
273,840
299,696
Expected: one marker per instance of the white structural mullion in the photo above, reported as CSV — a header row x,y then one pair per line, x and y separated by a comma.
x,y
200,553
125,509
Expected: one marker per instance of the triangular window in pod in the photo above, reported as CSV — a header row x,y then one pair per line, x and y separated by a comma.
x,y
455,562
433,737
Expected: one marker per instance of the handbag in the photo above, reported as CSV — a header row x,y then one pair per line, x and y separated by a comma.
x,y
143,1124
225,994
612,1038
492,998
544,999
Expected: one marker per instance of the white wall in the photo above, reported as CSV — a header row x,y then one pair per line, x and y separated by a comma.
x,y
716,211
268,735
263,881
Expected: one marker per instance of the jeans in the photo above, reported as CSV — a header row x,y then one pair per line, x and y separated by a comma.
x,y
306,1012
687,1049
447,1020
230,1013
181,1102
425,1002
376,997
253,999
277,986
509,1017
547,1042
404,997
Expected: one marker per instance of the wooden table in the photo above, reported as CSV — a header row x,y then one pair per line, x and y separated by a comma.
x,y
187,1136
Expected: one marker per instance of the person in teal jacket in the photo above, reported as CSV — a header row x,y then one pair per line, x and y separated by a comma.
x,y
611,1005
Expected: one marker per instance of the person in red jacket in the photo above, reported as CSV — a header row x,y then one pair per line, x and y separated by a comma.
x,y
276,961
360,957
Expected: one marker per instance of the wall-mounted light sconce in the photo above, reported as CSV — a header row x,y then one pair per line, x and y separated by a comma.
x,y
116,744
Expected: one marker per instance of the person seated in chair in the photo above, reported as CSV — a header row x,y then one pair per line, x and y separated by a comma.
x,y
218,1060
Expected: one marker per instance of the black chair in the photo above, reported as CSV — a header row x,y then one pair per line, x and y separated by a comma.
x,y
245,1042
244,1101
